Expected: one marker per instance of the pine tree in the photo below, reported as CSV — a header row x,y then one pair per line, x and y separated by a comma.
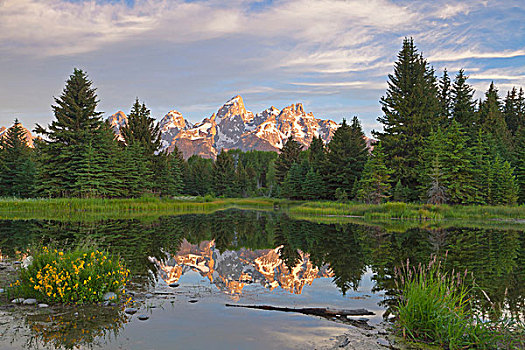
x,y
241,181
481,167
141,128
224,174
136,171
411,110
513,110
292,184
198,176
503,187
313,187
316,155
345,158
463,104
168,171
493,121
17,168
445,98
400,192
289,154
437,192
62,151
374,186
519,156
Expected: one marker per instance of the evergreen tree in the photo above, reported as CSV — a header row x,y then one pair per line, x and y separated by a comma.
x,y
481,166
345,158
168,172
519,156
17,168
292,184
241,181
445,98
400,193
136,171
493,121
313,187
61,152
513,110
503,187
316,155
374,186
141,128
224,175
289,154
198,178
437,192
463,104
411,110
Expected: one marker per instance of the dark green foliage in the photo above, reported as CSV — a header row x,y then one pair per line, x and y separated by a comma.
x,y
292,186
411,110
168,173
345,158
73,142
400,193
502,182
313,186
316,153
198,177
136,171
493,121
142,129
519,156
17,168
223,175
341,195
374,186
289,154
445,96
514,110
463,104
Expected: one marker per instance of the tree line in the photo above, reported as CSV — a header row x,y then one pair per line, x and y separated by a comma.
x,y
438,145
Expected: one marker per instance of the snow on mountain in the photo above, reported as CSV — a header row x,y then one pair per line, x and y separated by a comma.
x,y
233,127
117,121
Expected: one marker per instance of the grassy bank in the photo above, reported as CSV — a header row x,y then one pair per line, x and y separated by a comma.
x,y
408,211
71,208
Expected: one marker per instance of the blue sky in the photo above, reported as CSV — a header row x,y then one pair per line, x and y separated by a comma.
x,y
332,55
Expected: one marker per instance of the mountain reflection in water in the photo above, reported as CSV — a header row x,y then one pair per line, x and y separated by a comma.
x,y
231,270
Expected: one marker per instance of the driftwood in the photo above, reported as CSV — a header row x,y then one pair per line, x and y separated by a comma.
x,y
316,311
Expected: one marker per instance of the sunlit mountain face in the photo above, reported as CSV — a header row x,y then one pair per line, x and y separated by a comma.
x,y
231,270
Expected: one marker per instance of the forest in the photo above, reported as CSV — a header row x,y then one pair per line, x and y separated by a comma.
x,y
439,145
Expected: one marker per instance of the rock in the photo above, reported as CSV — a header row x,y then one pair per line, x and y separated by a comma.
x,y
383,342
149,295
29,302
110,296
1,290
173,285
192,301
43,305
27,262
17,263
17,301
130,310
143,317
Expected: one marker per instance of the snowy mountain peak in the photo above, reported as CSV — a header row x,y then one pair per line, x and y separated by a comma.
x,y
174,119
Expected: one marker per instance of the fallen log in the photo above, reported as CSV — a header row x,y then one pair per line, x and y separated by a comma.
x,y
316,311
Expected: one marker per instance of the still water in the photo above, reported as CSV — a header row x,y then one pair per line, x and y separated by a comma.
x,y
253,258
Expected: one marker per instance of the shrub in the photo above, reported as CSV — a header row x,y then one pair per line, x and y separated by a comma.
x,y
78,276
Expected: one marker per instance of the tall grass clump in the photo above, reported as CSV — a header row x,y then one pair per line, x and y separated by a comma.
x,y
79,276
435,307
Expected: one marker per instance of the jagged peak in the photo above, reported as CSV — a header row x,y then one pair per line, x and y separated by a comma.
x,y
118,119
234,106
294,109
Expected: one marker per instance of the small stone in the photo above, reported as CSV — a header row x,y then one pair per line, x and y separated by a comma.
x,y
143,317
27,262
149,295
130,310
110,296
1,290
173,285
192,301
29,302
383,342
17,263
76,313
43,305
17,301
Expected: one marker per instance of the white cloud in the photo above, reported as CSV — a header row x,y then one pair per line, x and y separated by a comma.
x,y
473,54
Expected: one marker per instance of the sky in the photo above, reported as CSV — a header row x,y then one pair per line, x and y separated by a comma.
x,y
334,56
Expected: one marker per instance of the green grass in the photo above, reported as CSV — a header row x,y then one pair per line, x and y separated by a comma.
x,y
409,211
82,275
434,307
99,208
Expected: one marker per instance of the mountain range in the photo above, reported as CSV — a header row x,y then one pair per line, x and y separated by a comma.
x,y
233,127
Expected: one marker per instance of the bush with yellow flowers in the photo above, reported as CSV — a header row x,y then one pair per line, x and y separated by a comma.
x,y
79,276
